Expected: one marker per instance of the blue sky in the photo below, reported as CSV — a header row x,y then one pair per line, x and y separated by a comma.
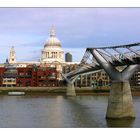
x,y
77,28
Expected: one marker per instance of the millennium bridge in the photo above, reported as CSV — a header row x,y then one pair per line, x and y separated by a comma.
x,y
110,58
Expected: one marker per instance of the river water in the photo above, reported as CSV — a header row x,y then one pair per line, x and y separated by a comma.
x,y
58,111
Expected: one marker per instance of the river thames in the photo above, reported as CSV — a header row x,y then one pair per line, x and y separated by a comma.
x,y
58,111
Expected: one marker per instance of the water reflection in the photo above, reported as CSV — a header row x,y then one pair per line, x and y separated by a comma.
x,y
60,111
81,116
120,123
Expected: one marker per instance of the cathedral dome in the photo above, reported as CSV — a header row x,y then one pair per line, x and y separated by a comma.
x,y
52,52
52,41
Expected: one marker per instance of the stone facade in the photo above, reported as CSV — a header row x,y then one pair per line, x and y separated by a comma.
x,y
12,58
53,54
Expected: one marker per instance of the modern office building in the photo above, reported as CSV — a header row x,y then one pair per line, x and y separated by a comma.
x,y
68,57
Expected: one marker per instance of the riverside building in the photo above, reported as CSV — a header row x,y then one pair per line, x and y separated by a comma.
x,y
31,75
47,71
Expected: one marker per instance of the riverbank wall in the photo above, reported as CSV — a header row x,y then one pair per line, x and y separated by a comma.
x,y
62,90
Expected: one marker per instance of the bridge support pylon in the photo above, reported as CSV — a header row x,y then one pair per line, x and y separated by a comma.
x,y
70,89
120,103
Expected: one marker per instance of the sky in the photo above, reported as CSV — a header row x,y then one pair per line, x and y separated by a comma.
x,y
27,29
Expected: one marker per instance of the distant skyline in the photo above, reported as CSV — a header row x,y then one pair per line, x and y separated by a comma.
x,y
27,29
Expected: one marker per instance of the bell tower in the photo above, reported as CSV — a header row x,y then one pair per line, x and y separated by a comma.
x,y
12,58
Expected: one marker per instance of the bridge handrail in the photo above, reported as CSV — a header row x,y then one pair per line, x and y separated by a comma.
x,y
118,46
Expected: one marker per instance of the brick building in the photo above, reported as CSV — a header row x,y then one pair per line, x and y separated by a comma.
x,y
33,76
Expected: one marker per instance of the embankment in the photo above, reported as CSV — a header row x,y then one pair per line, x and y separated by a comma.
x,y
62,91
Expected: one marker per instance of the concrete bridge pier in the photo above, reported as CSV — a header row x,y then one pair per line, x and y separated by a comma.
x,y
70,89
120,103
